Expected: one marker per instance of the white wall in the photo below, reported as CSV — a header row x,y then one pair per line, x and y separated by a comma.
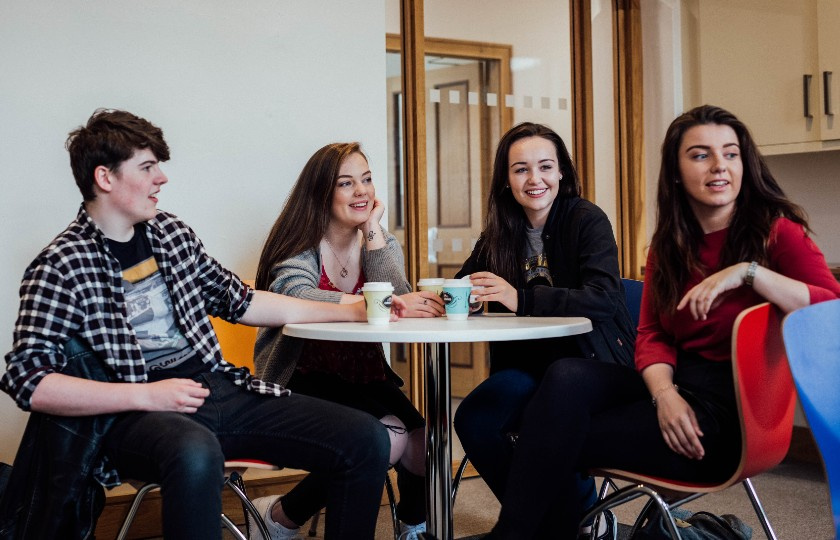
x,y
245,93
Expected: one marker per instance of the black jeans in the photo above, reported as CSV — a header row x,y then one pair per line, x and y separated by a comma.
x,y
344,449
593,414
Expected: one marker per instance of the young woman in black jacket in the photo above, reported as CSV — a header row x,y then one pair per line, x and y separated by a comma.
x,y
544,251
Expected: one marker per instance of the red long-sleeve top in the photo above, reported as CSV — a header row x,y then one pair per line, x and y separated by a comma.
x,y
791,253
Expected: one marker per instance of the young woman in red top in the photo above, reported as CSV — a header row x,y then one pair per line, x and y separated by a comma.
x,y
726,239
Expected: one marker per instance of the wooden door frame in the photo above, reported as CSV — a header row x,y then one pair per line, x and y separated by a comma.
x,y
629,128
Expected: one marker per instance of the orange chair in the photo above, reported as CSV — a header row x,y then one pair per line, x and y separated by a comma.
x,y
765,395
237,342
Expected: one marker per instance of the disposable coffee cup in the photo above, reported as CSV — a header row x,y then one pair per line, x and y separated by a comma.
x,y
378,301
456,299
431,284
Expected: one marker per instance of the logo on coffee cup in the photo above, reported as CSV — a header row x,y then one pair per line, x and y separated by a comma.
x,y
450,299
387,301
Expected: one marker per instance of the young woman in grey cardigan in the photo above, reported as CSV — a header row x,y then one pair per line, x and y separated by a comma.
x,y
325,245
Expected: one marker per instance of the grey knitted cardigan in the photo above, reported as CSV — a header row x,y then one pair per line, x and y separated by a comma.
x,y
276,355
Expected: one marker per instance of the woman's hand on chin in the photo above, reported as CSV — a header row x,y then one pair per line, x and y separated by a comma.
x,y
371,229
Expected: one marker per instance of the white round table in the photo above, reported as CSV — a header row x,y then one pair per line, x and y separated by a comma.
x,y
437,334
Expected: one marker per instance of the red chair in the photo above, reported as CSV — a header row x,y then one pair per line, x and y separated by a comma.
x,y
765,395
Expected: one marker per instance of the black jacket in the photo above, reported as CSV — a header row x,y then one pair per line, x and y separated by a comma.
x,y
51,491
583,261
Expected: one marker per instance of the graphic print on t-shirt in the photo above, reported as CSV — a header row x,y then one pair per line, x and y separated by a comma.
x,y
536,262
149,309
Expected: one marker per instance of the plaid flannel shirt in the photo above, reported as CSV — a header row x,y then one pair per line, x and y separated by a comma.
x,y
74,288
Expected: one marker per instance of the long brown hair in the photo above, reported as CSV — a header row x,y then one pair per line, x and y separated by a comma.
x,y
306,212
503,238
676,241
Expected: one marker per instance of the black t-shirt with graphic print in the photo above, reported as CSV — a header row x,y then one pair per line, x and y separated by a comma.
x,y
150,312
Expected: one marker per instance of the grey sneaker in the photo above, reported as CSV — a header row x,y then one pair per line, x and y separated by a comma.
x,y
275,530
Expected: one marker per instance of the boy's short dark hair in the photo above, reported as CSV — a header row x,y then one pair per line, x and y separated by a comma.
x,y
110,138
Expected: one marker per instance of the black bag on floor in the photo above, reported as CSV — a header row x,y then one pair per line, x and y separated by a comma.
x,y
697,526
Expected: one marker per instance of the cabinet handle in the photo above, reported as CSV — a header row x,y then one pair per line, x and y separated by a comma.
x,y
827,93
806,94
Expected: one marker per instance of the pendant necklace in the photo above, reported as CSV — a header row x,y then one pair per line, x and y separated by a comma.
x,y
344,271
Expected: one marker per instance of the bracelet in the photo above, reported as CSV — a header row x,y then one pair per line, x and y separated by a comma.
x,y
750,276
653,396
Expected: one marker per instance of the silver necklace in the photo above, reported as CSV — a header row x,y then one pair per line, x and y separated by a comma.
x,y
344,271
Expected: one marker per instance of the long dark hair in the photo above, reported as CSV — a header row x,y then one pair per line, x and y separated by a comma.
x,y
678,234
306,212
503,238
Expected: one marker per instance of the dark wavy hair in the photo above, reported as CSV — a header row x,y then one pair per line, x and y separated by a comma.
x,y
109,138
678,234
306,212
503,238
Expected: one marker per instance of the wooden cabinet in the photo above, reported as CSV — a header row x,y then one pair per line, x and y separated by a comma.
x,y
764,60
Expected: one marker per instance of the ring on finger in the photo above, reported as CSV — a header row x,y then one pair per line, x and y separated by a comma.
x,y
426,301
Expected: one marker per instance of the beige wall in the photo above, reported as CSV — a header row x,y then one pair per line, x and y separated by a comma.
x,y
234,86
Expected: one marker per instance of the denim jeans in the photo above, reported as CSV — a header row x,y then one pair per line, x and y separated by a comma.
x,y
485,420
344,449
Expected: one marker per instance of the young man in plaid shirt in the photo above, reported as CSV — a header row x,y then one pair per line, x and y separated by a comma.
x,y
136,285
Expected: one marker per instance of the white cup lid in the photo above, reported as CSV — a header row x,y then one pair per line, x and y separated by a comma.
x,y
377,286
430,281
456,283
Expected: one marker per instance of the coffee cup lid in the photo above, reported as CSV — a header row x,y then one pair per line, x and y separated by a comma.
x,y
377,286
456,283
430,281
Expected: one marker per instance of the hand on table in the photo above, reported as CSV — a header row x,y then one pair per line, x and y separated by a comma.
x,y
423,304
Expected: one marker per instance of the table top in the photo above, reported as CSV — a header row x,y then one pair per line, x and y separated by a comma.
x,y
487,327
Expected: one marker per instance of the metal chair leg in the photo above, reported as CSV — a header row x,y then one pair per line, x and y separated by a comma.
x,y
237,485
132,510
313,523
759,509
392,503
456,482
234,530
629,493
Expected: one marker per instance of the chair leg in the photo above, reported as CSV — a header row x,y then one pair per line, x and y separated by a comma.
x,y
237,485
456,482
759,509
313,524
234,530
627,494
392,504
135,506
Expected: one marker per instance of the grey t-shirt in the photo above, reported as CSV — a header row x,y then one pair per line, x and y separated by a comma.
x,y
536,263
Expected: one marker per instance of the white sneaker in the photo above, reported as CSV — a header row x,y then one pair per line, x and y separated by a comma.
x,y
276,531
410,532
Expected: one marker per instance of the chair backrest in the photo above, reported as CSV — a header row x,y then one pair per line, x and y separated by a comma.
x,y
237,340
812,340
633,297
764,389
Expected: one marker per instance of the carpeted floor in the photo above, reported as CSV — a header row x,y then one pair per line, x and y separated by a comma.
x,y
794,495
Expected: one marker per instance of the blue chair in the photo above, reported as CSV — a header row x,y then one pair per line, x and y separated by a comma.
x,y
812,340
633,297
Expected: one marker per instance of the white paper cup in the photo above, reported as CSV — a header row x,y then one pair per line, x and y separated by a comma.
x,y
431,284
456,299
378,301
